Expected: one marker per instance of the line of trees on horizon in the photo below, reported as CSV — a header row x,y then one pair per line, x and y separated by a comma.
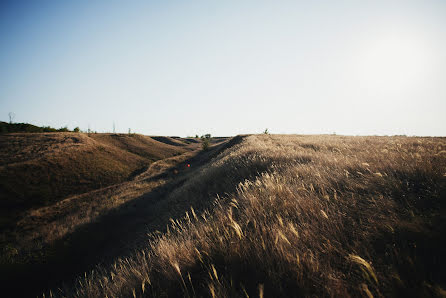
x,y
12,127
26,127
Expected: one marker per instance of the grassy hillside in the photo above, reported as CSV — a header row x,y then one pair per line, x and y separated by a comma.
x,y
296,216
45,185
56,241
39,169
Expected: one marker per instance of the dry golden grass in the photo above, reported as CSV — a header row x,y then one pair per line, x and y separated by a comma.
x,y
42,168
52,184
56,242
47,224
297,216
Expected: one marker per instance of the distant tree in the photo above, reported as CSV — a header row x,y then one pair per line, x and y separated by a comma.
x,y
48,129
266,131
205,144
196,136
206,141
76,129
24,127
63,129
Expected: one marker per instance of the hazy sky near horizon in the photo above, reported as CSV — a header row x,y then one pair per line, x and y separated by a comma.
x,y
226,67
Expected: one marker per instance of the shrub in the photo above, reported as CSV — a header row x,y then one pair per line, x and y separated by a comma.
x,y
205,141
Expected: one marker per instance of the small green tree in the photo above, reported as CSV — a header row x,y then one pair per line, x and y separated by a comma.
x,y
63,129
76,129
266,131
206,141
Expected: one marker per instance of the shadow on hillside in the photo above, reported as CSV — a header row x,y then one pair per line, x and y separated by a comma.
x,y
116,234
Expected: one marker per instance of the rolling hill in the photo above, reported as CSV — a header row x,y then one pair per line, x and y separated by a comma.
x,y
40,230
39,169
257,215
298,216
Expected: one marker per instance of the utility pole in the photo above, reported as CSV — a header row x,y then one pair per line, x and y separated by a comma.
x,y
11,117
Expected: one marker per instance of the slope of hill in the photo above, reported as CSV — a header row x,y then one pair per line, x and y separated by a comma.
x,y
74,233
296,216
39,169
144,146
43,168
171,141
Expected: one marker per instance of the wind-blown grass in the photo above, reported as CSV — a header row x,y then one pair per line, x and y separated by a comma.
x,y
308,216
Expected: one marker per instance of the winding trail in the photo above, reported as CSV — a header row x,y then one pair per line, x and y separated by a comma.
x,y
119,231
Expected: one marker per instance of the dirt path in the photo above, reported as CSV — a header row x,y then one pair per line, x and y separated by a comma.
x,y
117,233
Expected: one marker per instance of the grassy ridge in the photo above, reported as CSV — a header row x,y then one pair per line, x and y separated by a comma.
x,y
57,242
45,184
311,215
40,169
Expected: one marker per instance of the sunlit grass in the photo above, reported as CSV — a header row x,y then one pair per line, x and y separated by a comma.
x,y
320,215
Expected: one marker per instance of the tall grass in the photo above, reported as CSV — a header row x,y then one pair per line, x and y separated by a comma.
x,y
298,216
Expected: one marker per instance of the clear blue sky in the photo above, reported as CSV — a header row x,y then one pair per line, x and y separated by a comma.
x,y
226,67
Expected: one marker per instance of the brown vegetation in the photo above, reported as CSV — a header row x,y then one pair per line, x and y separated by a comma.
x,y
46,181
40,169
296,216
49,243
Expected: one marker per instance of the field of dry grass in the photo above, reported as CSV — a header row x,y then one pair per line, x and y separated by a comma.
x,y
259,215
52,183
55,241
40,169
296,216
